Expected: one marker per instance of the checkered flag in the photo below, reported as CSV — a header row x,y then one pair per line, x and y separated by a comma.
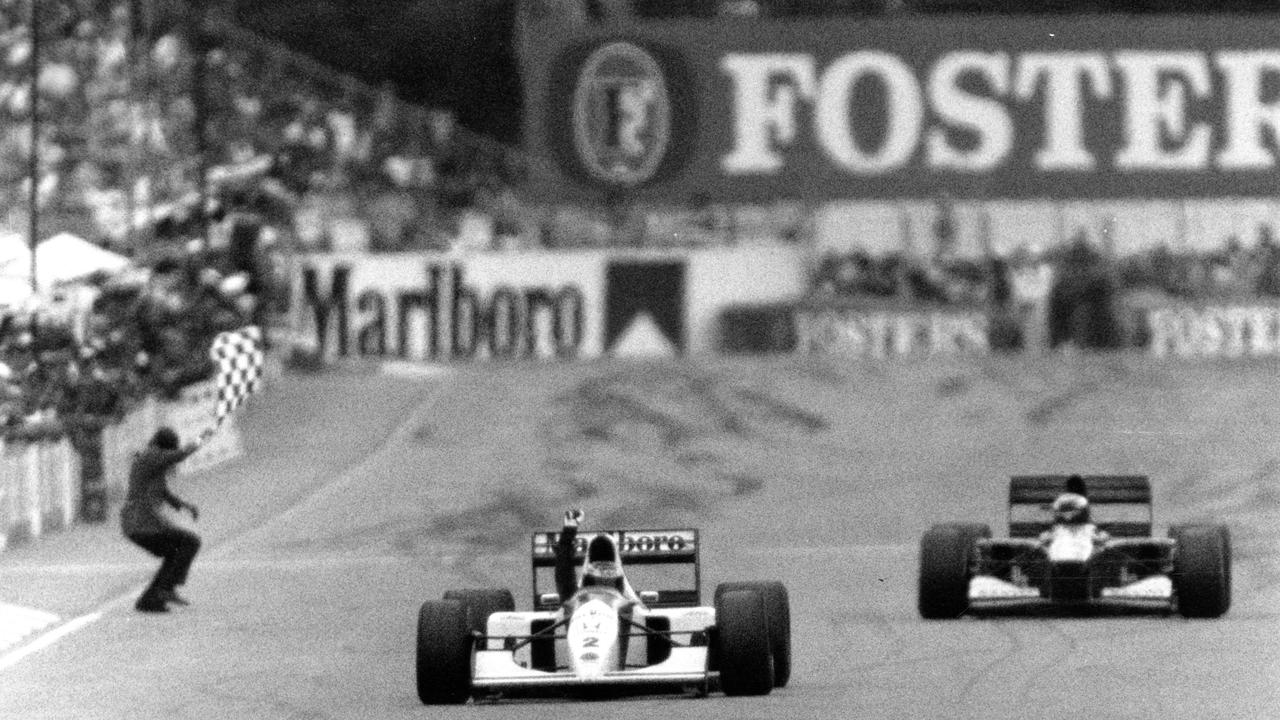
x,y
238,355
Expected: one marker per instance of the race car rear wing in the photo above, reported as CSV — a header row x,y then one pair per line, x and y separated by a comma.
x,y
637,548
1121,504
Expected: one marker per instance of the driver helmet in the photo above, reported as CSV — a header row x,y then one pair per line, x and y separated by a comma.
x,y
1070,509
602,573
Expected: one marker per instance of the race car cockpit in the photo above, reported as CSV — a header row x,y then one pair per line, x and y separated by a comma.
x,y
1073,535
602,574
592,560
1070,509
602,568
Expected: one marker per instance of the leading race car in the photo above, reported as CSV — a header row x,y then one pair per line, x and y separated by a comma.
x,y
1076,541
607,637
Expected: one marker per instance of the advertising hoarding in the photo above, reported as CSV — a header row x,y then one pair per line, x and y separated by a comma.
x,y
528,305
1089,106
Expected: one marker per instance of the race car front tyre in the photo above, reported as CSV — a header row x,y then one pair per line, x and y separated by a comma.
x,y
741,644
777,604
444,653
1200,570
481,603
946,552
1176,530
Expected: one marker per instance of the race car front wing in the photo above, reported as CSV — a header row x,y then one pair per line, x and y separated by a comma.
x,y
985,589
497,669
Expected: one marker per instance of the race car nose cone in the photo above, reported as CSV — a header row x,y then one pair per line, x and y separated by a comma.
x,y
592,639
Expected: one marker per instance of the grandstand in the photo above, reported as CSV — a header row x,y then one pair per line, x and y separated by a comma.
x,y
184,149
130,120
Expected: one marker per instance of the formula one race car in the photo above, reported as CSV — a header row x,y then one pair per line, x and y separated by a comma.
x,y
1076,541
607,637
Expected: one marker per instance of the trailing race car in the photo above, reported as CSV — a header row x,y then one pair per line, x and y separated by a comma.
x,y
1076,541
606,636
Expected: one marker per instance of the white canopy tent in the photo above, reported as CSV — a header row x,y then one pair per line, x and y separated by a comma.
x,y
65,257
14,291
59,259
15,270
12,247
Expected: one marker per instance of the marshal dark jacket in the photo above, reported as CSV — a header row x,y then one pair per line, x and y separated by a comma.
x,y
149,490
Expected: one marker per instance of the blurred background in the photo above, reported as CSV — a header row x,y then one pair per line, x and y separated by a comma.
x,y
168,166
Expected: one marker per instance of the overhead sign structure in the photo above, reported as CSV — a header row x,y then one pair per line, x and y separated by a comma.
x,y
1089,106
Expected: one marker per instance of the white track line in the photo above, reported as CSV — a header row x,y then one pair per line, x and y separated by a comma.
x,y
17,622
49,638
403,430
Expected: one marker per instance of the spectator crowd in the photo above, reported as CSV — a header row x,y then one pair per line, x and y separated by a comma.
x,y
130,119
102,346
127,124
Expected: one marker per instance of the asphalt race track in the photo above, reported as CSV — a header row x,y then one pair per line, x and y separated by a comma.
x,y
364,494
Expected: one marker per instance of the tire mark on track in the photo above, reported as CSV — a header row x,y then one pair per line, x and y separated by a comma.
x,y
973,693
1002,686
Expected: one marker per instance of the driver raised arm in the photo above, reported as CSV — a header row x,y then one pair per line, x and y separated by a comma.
x,y
566,578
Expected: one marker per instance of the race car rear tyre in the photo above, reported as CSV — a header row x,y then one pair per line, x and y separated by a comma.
x,y
1176,530
946,553
481,603
1201,570
741,643
777,605
444,653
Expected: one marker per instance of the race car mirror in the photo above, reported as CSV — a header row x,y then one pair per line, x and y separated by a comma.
x,y
649,597
546,599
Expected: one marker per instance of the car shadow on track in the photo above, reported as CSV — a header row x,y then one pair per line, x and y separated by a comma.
x,y
585,695
1058,611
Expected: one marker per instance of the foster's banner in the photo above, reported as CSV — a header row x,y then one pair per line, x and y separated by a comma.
x,y
1100,106
1215,331
891,330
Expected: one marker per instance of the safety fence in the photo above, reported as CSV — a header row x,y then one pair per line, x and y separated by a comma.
x,y
37,492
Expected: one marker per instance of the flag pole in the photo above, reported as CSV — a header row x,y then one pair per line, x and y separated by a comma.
x,y
33,154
